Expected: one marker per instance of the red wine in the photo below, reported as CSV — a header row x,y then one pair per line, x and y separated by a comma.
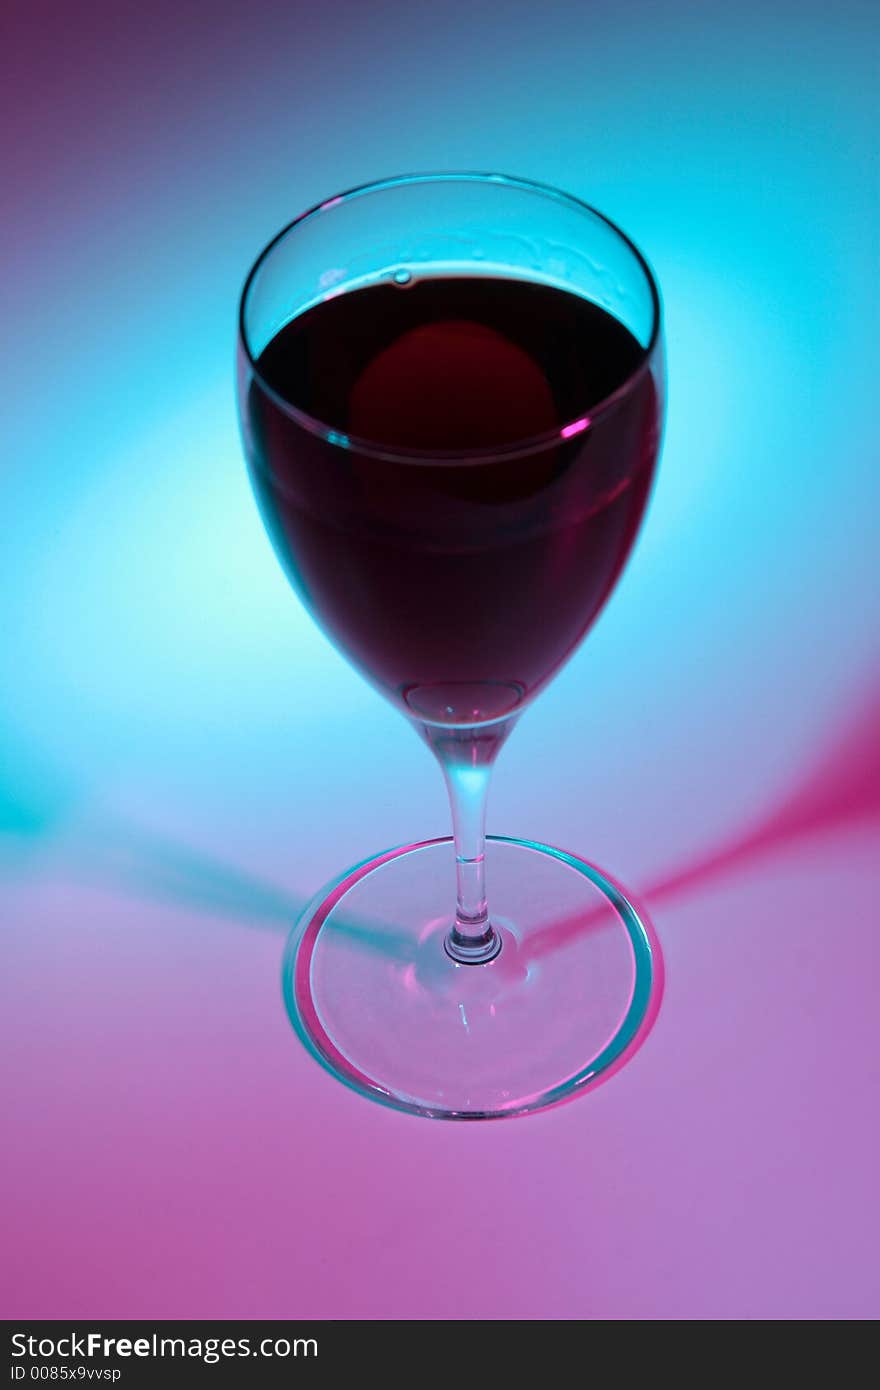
x,y
458,585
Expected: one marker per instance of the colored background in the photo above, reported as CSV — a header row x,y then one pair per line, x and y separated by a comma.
x,y
185,759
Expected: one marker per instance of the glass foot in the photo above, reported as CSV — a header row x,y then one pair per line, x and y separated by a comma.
x,y
572,993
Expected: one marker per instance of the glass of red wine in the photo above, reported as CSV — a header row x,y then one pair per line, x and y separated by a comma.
x,y
451,396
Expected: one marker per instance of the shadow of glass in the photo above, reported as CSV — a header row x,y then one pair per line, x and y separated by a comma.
x,y
843,788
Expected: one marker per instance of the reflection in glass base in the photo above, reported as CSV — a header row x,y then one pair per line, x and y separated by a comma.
x,y
572,994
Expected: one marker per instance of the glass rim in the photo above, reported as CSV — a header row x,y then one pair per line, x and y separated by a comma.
x,y
515,449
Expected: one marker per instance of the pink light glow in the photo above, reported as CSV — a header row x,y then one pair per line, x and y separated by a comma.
x,y
575,428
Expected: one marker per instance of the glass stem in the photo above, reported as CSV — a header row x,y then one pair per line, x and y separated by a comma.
x,y
466,757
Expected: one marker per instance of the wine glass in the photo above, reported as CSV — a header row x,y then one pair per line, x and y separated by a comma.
x,y
451,397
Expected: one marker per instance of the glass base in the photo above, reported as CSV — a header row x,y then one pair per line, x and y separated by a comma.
x,y
570,996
